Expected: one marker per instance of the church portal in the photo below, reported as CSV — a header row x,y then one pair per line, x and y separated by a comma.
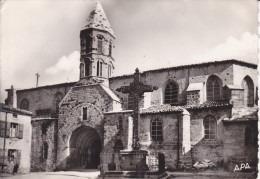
x,y
85,148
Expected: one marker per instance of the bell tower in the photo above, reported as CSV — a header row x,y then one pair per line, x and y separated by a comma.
x,y
97,46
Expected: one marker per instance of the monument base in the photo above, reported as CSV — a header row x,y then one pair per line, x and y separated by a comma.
x,y
134,160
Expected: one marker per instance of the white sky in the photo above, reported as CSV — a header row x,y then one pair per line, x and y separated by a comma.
x,y
42,36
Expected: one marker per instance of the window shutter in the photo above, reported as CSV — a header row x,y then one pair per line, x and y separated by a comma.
x,y
8,129
18,156
20,132
2,128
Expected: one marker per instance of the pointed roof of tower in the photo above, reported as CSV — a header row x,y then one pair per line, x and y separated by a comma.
x,y
97,19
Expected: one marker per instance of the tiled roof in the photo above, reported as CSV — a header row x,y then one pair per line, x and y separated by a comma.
x,y
195,86
98,20
48,86
10,109
209,104
166,108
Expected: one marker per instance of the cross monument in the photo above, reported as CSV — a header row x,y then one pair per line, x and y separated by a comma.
x,y
37,78
137,89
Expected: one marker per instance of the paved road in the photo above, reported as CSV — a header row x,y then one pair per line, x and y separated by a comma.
x,y
88,174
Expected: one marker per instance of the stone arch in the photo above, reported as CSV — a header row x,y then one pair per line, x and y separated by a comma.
x,y
214,88
248,86
85,147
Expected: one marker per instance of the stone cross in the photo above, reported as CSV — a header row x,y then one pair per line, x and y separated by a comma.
x,y
137,89
37,78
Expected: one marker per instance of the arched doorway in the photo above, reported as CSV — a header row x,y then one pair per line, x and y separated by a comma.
x,y
85,148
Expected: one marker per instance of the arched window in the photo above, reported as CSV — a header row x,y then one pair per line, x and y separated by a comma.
x,y
25,104
210,128
85,113
248,136
97,68
157,130
214,88
87,67
118,146
82,70
248,86
110,49
45,150
171,93
109,70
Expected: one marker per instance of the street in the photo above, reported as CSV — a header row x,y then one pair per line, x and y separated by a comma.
x,y
89,174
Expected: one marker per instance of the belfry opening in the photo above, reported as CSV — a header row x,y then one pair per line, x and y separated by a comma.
x,y
85,149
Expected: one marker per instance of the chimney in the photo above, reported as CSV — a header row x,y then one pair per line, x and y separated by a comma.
x,y
11,97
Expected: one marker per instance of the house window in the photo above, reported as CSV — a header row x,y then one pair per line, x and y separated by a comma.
x,y
210,128
157,130
85,113
248,86
12,154
118,146
171,93
213,89
25,104
248,136
99,46
13,130
45,150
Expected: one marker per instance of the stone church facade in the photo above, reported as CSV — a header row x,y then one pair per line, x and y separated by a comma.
x,y
199,111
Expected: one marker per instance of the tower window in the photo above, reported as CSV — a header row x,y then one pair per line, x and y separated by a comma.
x,y
99,46
97,68
85,113
109,70
213,89
87,67
157,130
210,128
171,93
101,68
110,49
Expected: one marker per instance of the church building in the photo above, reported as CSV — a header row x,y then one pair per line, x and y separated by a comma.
x,y
199,111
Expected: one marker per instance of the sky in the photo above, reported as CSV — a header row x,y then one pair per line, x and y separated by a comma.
x,y
42,36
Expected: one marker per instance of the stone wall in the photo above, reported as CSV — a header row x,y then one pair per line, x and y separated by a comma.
x,y
96,100
203,148
182,76
17,143
235,149
43,98
44,131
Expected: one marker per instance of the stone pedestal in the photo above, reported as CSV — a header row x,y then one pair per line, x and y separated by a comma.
x,y
134,160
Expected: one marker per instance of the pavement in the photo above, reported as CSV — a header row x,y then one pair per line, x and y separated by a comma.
x,y
93,174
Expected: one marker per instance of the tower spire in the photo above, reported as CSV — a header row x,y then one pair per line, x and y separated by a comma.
x,y
97,19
